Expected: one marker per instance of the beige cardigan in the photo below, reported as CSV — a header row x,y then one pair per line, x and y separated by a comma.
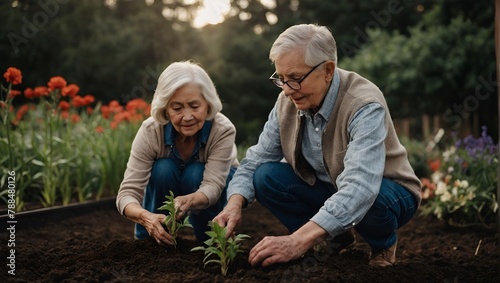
x,y
219,155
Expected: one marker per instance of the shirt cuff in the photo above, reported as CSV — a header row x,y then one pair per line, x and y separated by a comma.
x,y
328,222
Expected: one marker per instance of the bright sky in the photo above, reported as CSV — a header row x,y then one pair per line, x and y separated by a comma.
x,y
212,12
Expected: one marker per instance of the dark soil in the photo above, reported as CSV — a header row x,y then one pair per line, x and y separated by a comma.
x,y
99,247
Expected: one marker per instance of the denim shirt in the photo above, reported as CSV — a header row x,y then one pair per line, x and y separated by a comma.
x,y
171,133
359,183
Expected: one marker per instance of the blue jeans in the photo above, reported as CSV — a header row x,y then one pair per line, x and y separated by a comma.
x,y
167,176
294,202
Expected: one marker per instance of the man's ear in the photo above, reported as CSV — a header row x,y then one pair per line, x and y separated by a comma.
x,y
329,70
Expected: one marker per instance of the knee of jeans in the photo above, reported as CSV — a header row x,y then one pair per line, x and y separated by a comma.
x,y
162,170
261,175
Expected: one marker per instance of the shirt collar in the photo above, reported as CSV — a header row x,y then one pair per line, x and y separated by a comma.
x,y
203,134
330,98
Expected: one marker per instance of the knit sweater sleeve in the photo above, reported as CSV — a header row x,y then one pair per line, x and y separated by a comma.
x,y
146,147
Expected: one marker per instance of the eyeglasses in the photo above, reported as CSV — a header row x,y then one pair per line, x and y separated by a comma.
x,y
293,84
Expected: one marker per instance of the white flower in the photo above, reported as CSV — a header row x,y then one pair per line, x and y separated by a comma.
x,y
464,184
454,191
445,197
441,188
471,196
448,153
436,177
438,211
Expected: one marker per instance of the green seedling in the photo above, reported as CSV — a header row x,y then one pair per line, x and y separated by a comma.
x,y
225,249
173,225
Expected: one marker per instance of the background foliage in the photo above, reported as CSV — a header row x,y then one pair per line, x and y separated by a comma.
x,y
414,50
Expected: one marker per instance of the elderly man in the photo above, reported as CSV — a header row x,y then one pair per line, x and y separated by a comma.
x,y
345,167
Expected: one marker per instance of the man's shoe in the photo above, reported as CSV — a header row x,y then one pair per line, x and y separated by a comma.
x,y
384,257
337,244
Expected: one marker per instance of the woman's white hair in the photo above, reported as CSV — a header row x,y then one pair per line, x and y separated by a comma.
x,y
316,41
177,75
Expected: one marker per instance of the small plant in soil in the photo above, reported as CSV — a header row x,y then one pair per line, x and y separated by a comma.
x,y
224,249
173,225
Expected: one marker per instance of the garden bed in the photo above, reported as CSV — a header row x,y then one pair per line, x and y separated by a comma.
x,y
95,244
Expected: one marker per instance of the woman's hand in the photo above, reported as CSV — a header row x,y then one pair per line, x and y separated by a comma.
x,y
153,224
193,201
151,221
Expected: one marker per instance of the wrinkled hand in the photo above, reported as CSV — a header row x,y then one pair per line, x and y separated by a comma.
x,y
182,205
153,224
230,217
271,250
186,204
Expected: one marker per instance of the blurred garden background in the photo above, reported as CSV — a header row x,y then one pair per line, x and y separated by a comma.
x,y
82,75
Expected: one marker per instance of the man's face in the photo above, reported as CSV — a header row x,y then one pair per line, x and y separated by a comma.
x,y
313,88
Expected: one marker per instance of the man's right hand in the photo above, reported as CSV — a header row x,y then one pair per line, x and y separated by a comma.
x,y
230,216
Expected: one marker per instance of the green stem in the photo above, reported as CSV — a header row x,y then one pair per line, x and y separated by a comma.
x,y
8,102
9,145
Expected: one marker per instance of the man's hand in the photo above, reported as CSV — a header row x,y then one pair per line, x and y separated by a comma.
x,y
271,250
230,216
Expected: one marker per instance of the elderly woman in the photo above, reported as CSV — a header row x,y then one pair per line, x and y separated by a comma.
x,y
187,147
345,169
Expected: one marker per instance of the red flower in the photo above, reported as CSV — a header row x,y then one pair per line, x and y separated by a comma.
x,y
56,82
90,110
21,111
105,111
75,118
64,105
89,99
13,75
71,90
64,114
40,91
13,93
115,106
99,129
28,93
434,165
78,101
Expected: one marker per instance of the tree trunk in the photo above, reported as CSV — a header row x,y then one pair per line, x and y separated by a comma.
x,y
426,131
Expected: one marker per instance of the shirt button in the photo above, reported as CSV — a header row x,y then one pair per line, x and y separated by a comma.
x,y
319,144
316,129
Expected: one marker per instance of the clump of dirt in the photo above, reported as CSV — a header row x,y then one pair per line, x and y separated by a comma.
x,y
99,247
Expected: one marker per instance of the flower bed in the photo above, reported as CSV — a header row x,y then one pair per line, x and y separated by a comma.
x,y
62,146
99,247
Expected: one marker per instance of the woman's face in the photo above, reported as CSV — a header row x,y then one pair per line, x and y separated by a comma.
x,y
313,88
187,110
